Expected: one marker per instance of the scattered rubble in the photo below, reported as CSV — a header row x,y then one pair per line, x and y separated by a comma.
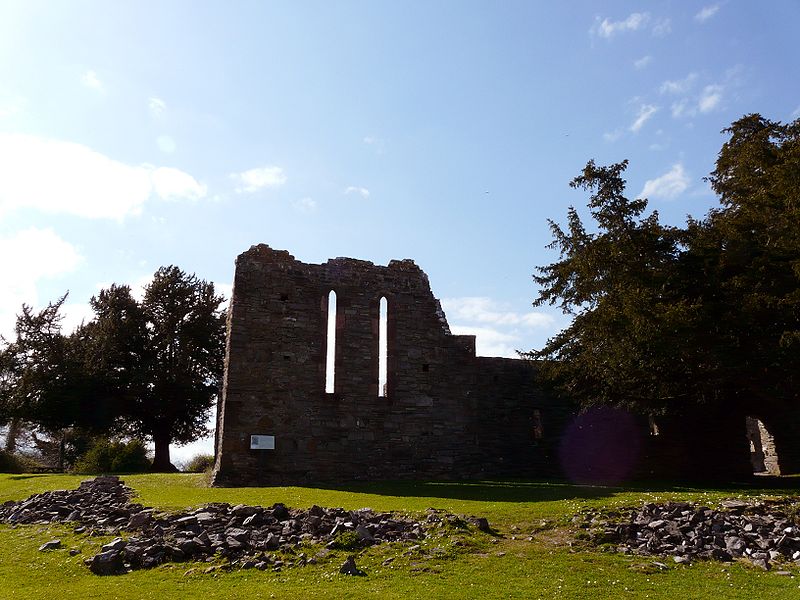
x,y
247,536
764,533
349,567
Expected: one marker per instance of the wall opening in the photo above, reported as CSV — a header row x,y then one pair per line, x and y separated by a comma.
x,y
763,455
538,430
330,356
383,346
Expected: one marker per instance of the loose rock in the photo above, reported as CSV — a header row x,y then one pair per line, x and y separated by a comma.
x,y
51,545
242,534
761,532
349,567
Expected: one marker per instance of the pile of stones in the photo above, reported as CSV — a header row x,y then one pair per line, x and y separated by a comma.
x,y
248,536
762,532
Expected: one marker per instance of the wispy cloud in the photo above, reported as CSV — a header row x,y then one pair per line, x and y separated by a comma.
x,y
707,12
796,113
305,205
259,178
92,81
480,309
156,106
689,102
669,185
374,142
710,98
680,108
498,330
612,136
679,86
491,342
606,28
641,63
662,27
646,111
57,177
360,191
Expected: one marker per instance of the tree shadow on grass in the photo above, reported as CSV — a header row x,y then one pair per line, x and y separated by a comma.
x,y
555,490
483,491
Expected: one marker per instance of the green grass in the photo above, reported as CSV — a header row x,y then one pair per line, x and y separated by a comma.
x,y
542,568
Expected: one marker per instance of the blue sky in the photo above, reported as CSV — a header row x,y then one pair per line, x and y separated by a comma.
x,y
141,134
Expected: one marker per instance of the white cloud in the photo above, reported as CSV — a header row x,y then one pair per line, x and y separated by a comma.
x,y
58,177
662,27
499,331
361,191
706,13
679,86
490,342
680,107
375,142
607,28
259,178
306,205
710,98
92,81
28,257
707,100
173,184
641,63
166,144
612,136
480,309
671,184
646,111
156,106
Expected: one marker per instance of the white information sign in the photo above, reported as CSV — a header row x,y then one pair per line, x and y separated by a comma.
x,y
262,442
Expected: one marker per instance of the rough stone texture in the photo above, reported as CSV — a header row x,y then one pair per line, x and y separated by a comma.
x,y
247,536
446,412
716,443
762,448
763,532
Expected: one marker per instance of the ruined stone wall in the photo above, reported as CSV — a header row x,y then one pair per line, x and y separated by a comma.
x,y
446,413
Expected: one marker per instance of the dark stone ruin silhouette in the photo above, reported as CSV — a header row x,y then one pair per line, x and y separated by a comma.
x,y
444,412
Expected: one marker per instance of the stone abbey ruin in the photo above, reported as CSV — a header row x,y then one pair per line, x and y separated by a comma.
x,y
317,390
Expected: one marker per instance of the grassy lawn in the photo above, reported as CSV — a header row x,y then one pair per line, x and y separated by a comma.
x,y
541,567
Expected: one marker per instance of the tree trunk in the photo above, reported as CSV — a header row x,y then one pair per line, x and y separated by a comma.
x,y
14,429
161,462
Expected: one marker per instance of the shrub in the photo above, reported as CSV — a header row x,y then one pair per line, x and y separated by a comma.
x,y
199,463
347,540
9,463
114,456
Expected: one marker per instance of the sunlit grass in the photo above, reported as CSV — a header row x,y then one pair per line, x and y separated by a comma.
x,y
541,567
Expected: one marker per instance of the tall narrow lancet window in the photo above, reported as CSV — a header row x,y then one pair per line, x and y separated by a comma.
x,y
330,357
382,347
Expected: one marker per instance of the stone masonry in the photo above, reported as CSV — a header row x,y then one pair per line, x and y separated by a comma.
x,y
445,413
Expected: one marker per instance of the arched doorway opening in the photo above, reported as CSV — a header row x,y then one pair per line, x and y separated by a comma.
x,y
763,455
